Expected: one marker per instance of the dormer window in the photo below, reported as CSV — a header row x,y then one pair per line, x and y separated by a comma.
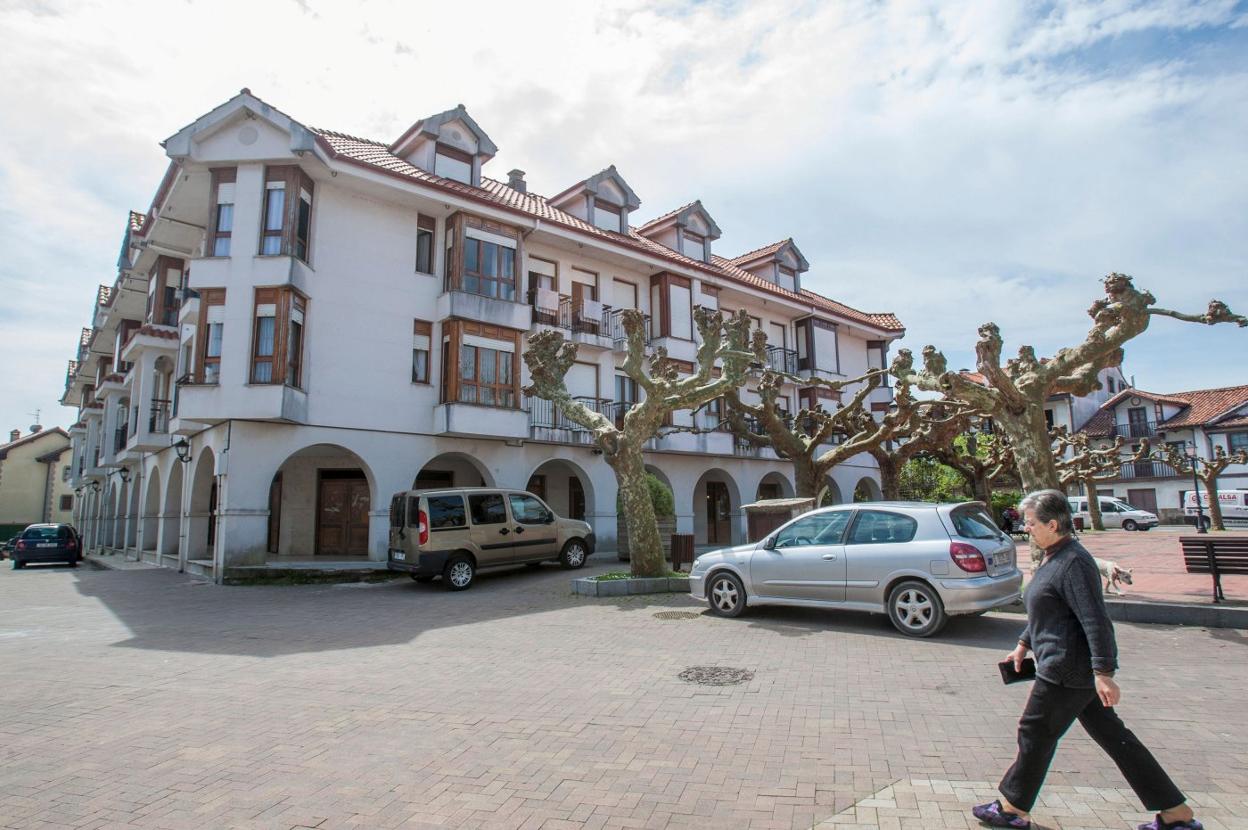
x,y
450,163
607,216
786,278
694,246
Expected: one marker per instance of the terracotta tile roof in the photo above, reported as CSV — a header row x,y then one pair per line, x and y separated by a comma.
x,y
642,228
151,330
377,155
759,253
1201,407
1206,406
1233,423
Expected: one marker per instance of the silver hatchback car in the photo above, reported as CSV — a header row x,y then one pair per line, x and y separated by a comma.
x,y
920,563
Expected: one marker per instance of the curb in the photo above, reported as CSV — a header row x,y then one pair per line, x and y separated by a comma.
x,y
589,587
1168,613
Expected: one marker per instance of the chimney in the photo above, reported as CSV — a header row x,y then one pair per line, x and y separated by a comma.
x,y
14,435
515,180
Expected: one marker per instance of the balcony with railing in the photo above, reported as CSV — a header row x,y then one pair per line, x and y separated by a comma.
x,y
119,438
1147,469
619,339
780,359
1136,429
158,417
547,423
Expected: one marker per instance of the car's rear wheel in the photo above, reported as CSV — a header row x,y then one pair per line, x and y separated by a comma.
x,y
1127,524
458,573
915,609
574,554
726,594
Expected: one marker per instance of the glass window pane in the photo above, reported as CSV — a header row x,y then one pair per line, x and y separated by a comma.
x,y
487,361
214,339
225,218
486,394
504,367
420,366
446,512
471,254
468,362
271,245
301,230
262,372
293,352
424,252
507,257
275,203
221,246
472,284
487,509
820,529
878,527
264,336
489,259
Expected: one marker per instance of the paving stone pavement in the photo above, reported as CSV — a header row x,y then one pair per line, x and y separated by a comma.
x,y
147,699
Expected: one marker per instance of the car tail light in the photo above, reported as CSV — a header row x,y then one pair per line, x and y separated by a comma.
x,y
71,545
967,557
422,528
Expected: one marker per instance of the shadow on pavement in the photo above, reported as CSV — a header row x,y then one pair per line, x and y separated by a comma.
x,y
166,610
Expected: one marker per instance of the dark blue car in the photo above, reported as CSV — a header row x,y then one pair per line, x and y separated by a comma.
x,y
47,543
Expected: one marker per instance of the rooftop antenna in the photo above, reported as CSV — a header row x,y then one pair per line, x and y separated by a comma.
x,y
35,427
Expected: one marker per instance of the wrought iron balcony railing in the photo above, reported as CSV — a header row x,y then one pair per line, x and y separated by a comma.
x,y
158,421
1137,429
780,359
618,337
119,439
1147,469
547,423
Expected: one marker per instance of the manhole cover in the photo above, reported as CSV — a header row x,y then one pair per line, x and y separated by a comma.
x,y
677,615
715,676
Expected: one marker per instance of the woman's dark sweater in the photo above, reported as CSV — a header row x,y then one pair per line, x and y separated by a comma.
x,y
1068,628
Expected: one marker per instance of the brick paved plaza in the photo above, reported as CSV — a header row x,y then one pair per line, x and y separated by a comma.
x,y
146,698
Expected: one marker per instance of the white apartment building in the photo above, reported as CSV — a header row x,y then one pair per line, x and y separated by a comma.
x,y
305,322
1204,418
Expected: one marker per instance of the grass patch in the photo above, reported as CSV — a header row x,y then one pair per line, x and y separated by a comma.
x,y
610,575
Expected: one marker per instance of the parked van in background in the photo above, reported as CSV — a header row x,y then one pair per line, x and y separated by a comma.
x,y
1114,513
453,532
1234,504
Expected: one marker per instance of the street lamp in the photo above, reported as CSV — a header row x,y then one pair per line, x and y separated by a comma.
x,y
124,474
95,487
1193,459
183,449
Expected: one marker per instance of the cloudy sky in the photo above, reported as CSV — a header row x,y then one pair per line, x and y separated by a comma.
x,y
952,162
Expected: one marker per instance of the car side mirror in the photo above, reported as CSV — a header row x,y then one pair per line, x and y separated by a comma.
x,y
769,543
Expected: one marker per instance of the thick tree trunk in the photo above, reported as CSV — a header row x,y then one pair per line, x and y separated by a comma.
x,y
644,545
890,477
1215,509
1033,451
807,480
981,488
1094,504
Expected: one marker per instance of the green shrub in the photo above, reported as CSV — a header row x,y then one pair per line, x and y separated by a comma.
x,y
660,498
1002,499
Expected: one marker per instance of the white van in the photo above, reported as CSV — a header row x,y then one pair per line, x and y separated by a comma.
x,y
1234,504
1114,513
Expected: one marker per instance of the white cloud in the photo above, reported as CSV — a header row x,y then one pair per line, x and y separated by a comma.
x,y
953,162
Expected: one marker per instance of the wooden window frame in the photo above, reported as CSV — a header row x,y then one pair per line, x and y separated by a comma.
x,y
423,328
425,225
290,242
219,176
663,314
453,332
457,244
285,364
208,297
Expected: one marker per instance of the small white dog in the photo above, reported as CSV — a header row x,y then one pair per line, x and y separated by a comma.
x,y
1115,576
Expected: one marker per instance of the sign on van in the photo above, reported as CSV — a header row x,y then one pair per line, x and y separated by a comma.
x,y
1233,503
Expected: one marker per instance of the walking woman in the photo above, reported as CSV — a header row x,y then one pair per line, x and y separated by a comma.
x,y
1069,632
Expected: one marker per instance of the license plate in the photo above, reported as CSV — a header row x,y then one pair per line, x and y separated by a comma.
x,y
398,554
46,545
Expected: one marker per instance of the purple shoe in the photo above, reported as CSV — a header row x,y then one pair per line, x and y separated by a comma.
x,y
1158,824
992,815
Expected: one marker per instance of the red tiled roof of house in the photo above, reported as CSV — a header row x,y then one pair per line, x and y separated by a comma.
x,y
759,253
1233,423
647,225
1201,407
377,155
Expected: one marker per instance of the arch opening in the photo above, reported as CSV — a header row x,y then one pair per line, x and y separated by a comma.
x,y
566,489
320,500
717,509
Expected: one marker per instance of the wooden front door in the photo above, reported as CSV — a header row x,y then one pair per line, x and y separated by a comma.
x,y
718,510
342,514
1143,499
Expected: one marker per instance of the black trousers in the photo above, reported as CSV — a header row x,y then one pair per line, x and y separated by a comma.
x,y
1050,711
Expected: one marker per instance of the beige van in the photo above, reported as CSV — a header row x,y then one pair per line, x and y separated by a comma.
x,y
453,532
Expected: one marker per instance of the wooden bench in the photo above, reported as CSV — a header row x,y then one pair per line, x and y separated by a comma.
x,y
1215,555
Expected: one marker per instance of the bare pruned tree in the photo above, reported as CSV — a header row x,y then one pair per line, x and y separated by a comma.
x,y
729,343
1086,465
1207,470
